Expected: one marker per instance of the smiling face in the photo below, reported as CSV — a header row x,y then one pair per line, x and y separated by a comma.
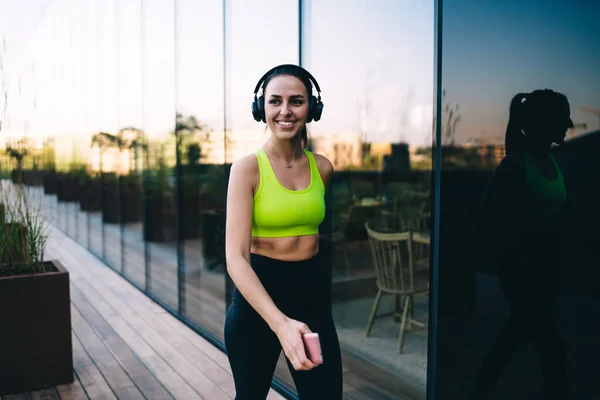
x,y
286,106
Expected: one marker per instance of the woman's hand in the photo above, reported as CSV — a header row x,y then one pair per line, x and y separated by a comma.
x,y
290,334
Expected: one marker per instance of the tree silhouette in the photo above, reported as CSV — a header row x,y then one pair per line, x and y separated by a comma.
x,y
126,139
190,136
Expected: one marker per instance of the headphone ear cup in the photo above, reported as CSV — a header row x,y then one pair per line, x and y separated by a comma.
x,y
317,109
261,109
255,112
258,109
311,109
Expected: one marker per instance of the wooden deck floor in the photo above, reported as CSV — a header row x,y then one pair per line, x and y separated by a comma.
x,y
123,312
125,346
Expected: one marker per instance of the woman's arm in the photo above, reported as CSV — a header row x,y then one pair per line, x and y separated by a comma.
x,y
574,221
497,227
238,231
325,169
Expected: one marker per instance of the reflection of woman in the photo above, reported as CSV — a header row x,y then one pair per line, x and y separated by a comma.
x,y
526,199
275,204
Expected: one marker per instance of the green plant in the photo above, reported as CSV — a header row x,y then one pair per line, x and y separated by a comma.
x,y
78,169
452,118
17,151
48,156
158,175
23,232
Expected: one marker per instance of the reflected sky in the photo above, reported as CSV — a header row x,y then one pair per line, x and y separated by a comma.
x,y
493,50
373,59
382,49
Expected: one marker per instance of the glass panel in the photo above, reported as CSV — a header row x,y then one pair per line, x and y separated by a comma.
x,y
201,150
516,291
129,75
158,124
376,130
74,163
64,188
247,60
98,147
80,170
109,133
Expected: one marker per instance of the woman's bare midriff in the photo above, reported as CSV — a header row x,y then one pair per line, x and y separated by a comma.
x,y
295,248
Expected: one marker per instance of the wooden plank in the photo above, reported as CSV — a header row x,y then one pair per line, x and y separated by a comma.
x,y
198,303
363,389
148,384
45,394
118,380
73,391
18,396
207,355
361,371
194,354
93,284
170,378
89,375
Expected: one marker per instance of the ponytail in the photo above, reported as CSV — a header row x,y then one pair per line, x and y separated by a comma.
x,y
514,136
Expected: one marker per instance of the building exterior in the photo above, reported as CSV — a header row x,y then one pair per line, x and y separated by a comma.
x,y
135,110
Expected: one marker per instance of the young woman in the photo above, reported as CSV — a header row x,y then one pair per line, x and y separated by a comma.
x,y
523,216
275,203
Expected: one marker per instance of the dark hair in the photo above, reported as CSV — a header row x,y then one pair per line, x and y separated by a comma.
x,y
298,73
526,111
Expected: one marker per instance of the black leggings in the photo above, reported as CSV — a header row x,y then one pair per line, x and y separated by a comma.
x,y
302,291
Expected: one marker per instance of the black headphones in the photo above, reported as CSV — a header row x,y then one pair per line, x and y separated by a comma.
x,y
315,106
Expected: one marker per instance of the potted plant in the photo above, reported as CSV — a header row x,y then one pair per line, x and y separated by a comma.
x,y
17,151
89,190
35,339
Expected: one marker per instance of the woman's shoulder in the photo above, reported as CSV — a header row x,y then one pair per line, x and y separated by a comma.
x,y
513,163
247,165
323,162
325,167
510,171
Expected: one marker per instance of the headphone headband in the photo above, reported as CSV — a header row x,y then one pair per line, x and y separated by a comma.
x,y
302,70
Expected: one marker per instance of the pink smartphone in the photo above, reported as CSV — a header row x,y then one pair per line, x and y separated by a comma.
x,y
312,345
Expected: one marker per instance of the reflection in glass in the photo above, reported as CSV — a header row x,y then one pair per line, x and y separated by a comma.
x,y
91,71
158,125
376,129
109,127
132,139
508,277
201,153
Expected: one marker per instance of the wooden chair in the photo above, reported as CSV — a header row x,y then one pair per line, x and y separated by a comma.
x,y
396,275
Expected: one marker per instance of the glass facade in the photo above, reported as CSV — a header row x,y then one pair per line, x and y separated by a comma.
x,y
137,109
506,327
130,113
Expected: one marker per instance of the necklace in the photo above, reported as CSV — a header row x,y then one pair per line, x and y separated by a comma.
x,y
288,166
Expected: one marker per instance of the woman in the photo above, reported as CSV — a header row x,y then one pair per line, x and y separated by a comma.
x,y
523,215
275,203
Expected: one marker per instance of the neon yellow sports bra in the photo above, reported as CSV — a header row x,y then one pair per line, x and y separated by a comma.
x,y
280,212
